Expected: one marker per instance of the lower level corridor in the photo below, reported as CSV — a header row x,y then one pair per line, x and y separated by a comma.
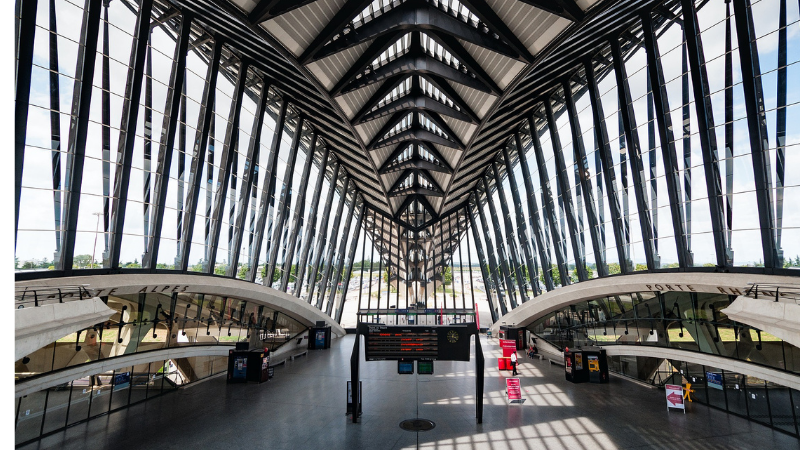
x,y
303,407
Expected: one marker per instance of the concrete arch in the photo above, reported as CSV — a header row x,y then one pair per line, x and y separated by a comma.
x,y
711,282
119,284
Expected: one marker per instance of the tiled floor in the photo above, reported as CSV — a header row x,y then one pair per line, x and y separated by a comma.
x,y
303,407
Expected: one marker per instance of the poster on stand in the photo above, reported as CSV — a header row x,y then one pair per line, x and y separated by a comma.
x,y
714,380
513,390
675,397
509,346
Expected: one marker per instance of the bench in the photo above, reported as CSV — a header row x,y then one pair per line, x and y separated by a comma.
x,y
297,355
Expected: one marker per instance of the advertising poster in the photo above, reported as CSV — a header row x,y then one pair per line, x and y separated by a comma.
x,y
122,380
674,396
568,365
513,390
578,361
319,339
509,346
714,380
594,363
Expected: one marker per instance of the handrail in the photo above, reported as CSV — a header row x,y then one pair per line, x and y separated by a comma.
x,y
39,295
785,291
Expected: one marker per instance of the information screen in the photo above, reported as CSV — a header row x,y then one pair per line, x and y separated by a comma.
x,y
425,367
401,343
405,367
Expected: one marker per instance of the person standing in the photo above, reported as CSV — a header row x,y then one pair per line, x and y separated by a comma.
x,y
514,363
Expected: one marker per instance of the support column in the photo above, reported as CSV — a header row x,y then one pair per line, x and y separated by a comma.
x,y
310,230
493,266
359,221
498,238
318,254
335,269
510,235
487,282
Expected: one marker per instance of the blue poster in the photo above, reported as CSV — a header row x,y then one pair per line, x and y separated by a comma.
x,y
714,380
319,339
122,380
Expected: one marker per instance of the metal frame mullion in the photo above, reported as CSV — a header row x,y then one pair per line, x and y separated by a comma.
x,y
493,266
284,203
310,229
226,162
549,206
619,225
79,125
346,263
250,164
323,231
498,238
635,152
24,51
757,129
706,133
522,235
511,238
297,219
337,221
533,213
199,153
665,134
265,204
482,261
168,129
127,133
582,164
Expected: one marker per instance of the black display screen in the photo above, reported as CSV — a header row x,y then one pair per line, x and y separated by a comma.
x,y
425,367
447,343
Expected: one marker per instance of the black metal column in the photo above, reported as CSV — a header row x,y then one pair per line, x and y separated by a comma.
x,y
309,230
498,237
78,130
705,123
669,156
248,177
127,133
582,172
757,129
321,234
299,211
359,221
168,129
619,225
493,267
549,206
511,238
204,124
226,163
337,220
335,270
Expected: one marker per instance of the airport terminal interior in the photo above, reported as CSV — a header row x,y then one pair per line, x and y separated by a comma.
x,y
397,224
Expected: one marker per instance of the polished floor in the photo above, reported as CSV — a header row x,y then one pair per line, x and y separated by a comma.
x,y
303,407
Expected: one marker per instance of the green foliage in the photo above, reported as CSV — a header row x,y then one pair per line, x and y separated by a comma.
x,y
614,268
447,275
554,273
589,274
640,267
243,271
80,261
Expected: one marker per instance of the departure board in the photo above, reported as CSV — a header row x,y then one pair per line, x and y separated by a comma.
x,y
426,343
401,343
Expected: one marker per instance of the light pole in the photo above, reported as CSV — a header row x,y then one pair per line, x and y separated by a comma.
x,y
96,230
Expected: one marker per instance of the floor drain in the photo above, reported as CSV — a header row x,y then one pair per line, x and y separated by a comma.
x,y
417,425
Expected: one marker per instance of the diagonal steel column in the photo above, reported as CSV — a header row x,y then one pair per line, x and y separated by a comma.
x,y
345,264
321,235
267,201
780,133
127,133
55,118
106,137
533,214
582,172
204,124
498,238
707,135
522,230
635,152
167,142
226,163
729,131
493,267
757,129
249,176
510,235
337,221
299,210
309,230
26,33
665,135
285,201
549,206
78,129
618,224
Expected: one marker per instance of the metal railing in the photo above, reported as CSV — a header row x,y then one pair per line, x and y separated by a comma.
x,y
786,292
26,296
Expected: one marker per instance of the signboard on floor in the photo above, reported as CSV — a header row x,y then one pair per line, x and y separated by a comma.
x,y
513,390
509,346
714,380
675,397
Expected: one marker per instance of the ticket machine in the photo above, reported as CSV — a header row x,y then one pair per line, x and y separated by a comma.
x,y
588,364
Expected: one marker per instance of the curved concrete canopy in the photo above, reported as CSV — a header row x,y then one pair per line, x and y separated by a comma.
x,y
119,284
715,283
